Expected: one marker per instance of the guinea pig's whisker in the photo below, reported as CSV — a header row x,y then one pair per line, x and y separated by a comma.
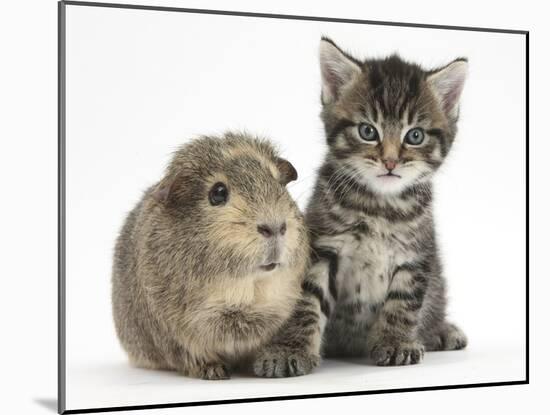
x,y
239,210
238,223
314,233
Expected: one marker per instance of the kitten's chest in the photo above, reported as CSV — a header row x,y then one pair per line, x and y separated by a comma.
x,y
367,263
364,272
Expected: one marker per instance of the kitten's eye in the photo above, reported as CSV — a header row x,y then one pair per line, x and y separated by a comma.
x,y
367,132
218,194
414,137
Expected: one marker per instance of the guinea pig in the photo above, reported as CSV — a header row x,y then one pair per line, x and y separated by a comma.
x,y
209,264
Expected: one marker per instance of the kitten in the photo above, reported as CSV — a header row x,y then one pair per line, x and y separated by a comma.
x,y
375,272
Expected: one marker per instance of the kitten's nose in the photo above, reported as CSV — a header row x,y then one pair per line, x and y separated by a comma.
x,y
389,164
272,230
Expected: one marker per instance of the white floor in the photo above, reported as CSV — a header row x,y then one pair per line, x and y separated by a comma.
x,y
117,384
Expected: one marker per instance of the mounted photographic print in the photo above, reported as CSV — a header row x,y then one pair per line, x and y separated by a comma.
x,y
263,207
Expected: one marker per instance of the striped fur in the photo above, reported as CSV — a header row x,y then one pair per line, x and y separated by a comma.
x,y
375,271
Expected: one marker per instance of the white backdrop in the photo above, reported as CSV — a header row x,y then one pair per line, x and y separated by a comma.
x,y
140,83
28,170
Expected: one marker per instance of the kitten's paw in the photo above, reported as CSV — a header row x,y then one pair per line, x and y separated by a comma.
x,y
214,371
280,362
448,337
397,353
454,338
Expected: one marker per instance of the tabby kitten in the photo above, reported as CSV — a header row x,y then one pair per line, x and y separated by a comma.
x,y
375,286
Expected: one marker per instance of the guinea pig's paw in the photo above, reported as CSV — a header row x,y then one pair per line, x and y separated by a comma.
x,y
283,362
214,371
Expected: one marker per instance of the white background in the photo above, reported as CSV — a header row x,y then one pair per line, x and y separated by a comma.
x,y
29,177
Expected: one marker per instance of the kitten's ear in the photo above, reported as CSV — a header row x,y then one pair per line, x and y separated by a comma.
x,y
447,84
337,69
287,170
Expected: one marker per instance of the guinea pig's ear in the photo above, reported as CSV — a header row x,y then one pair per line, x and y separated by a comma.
x,y
164,189
287,170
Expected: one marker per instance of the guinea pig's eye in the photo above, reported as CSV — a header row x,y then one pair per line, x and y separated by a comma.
x,y
218,194
368,132
414,137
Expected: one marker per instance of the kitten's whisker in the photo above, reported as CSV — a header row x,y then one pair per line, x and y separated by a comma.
x,y
336,174
350,183
334,179
344,184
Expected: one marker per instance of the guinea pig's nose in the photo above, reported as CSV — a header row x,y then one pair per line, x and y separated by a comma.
x,y
270,230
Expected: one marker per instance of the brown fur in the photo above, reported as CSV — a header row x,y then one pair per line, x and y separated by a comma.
x,y
188,292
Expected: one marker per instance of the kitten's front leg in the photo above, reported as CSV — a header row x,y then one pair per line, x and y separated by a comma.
x,y
296,349
393,338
